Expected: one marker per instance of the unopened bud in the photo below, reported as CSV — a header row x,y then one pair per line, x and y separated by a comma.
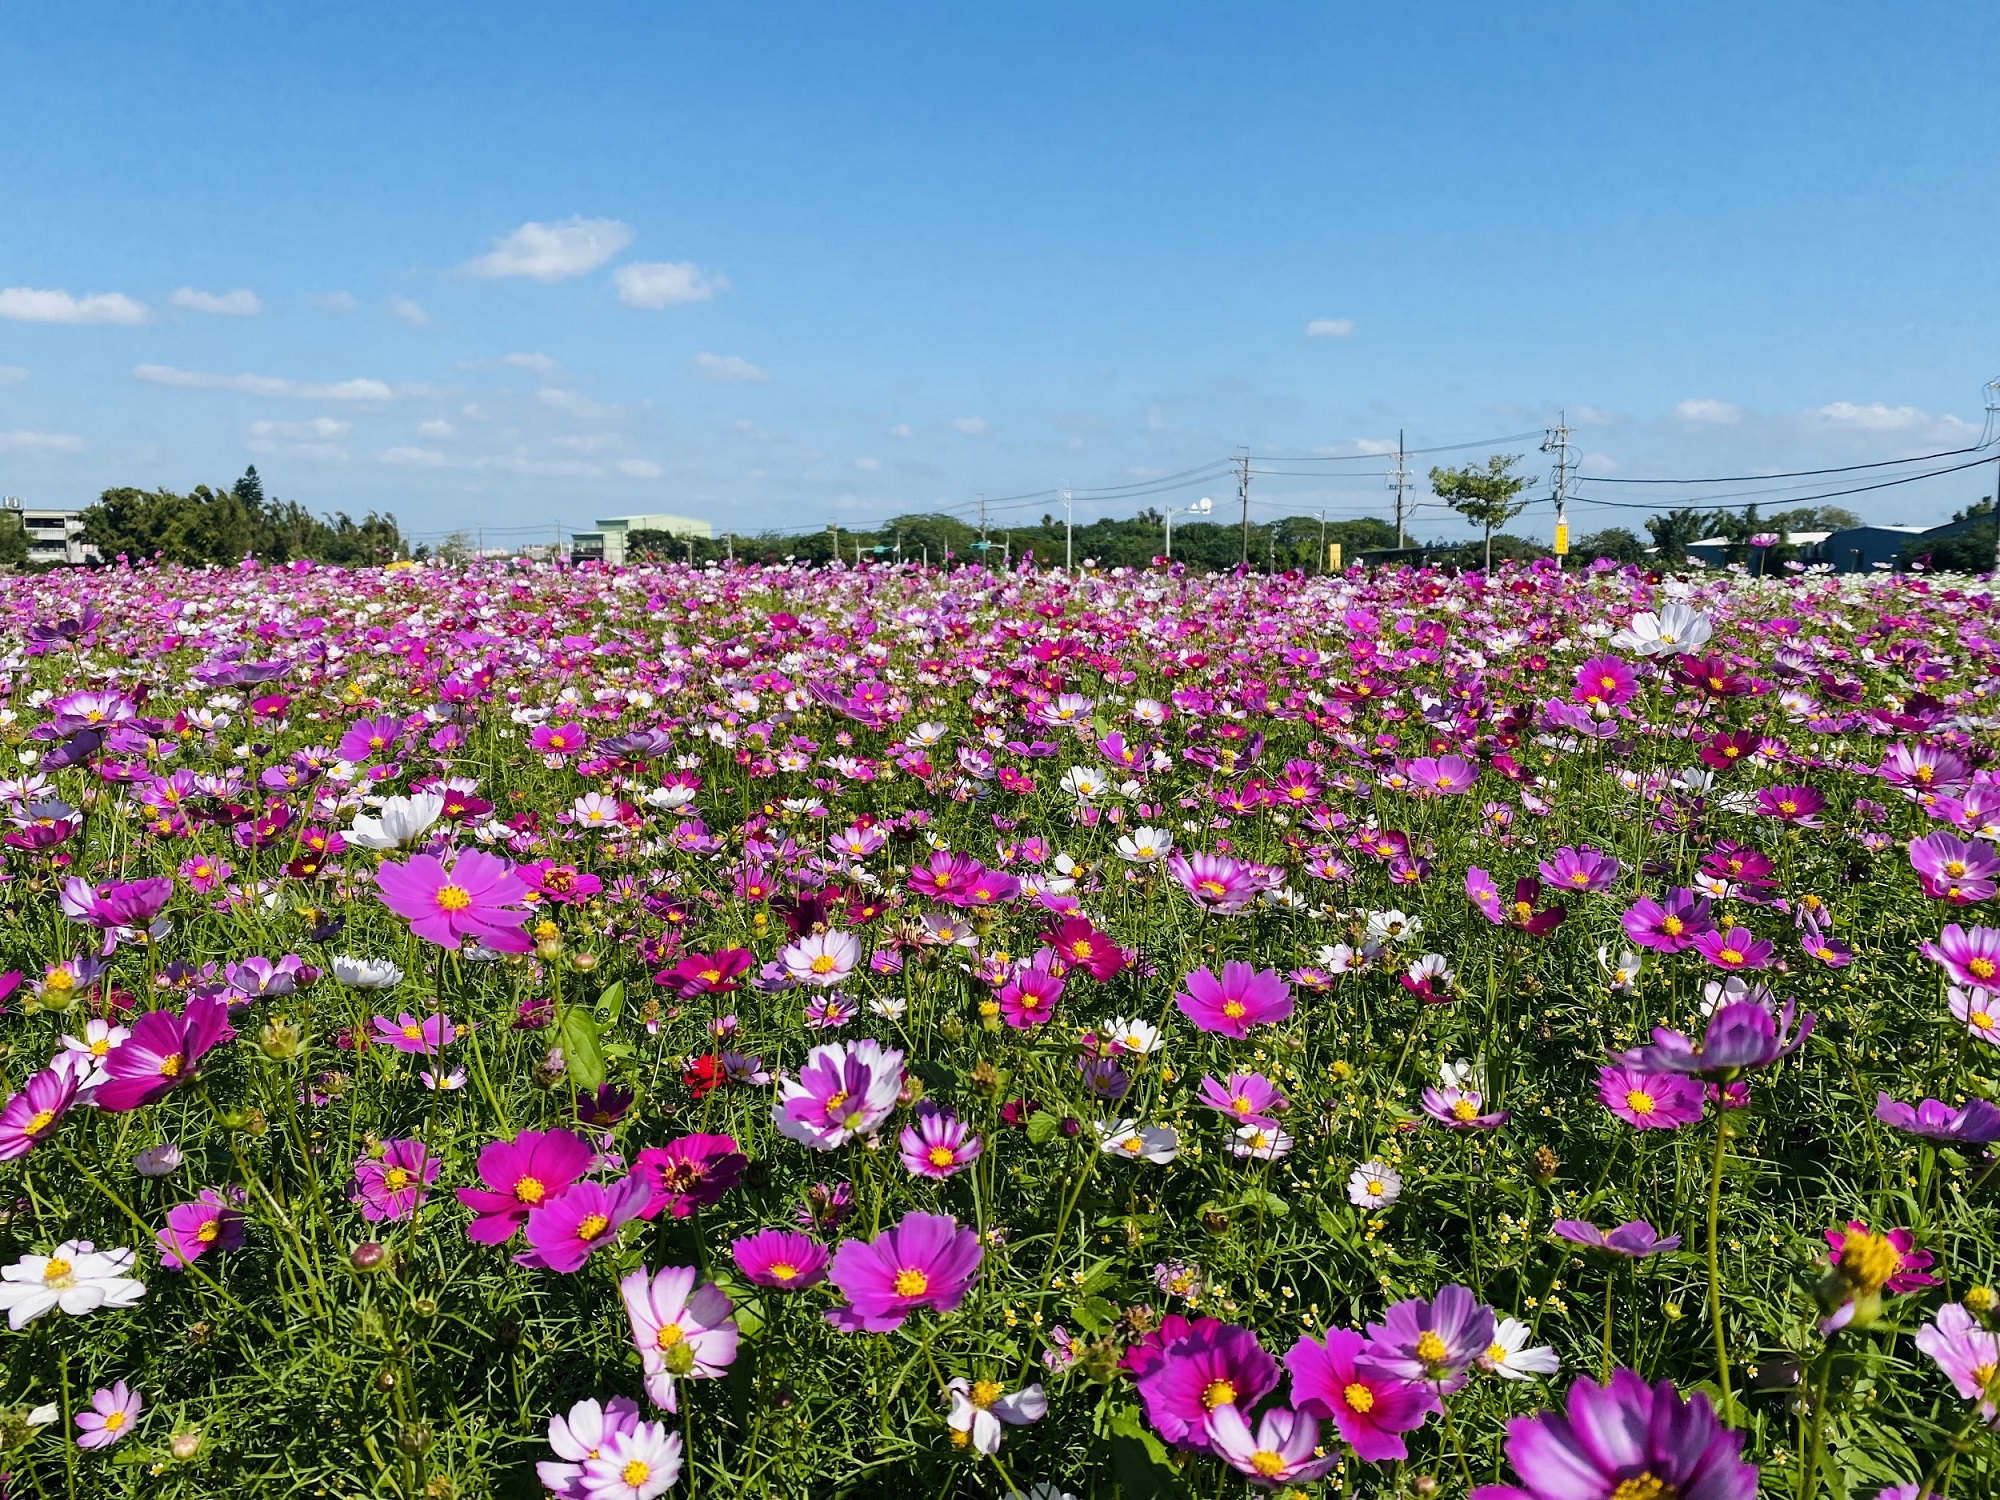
x,y
367,1256
280,1041
583,963
985,1078
185,1445
1546,1164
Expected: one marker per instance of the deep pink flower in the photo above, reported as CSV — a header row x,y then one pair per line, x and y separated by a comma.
x,y
1585,870
163,1052
1970,956
424,1038
1081,946
1440,775
937,1144
1670,926
707,973
1247,1098
31,1115
925,1261
1649,1101
520,1175
1243,997
1215,881
1212,1365
1738,948
392,1185
476,896
211,1222
565,1230
782,1259
1960,871
1866,1264
1741,1036
1797,805
1606,680
1029,997
1371,1410
690,1173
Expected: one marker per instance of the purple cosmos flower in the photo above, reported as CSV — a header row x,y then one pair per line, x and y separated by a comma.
x,y
690,1173
1585,870
424,1038
1029,997
392,1185
1371,1410
33,1114
1957,870
113,1414
1440,775
925,1261
1865,1265
1279,1453
1627,1439
1970,957
1741,1036
1209,1366
1215,881
1634,1240
1459,1109
566,1229
1967,1353
682,1331
212,1222
162,1053
520,1175
580,1437
1649,1101
938,1144
1243,997
1668,927
782,1259
1436,1342
476,896
845,1090
1817,943
1738,948
1977,1124
116,903
1797,805
1247,1098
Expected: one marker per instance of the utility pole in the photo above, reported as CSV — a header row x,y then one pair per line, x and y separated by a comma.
x,y
982,524
1992,410
834,527
1243,492
1557,442
1322,543
729,544
1069,533
1400,479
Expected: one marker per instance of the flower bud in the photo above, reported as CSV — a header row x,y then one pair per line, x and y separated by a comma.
x,y
415,1437
583,963
185,1445
280,1041
1546,1164
368,1256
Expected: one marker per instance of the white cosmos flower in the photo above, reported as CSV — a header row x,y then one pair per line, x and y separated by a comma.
x,y
1260,1142
1145,844
402,822
366,973
78,1278
980,1410
597,812
1392,926
669,798
1158,1144
1084,783
1677,628
889,1007
1134,1038
1374,1184
1507,1357
1623,976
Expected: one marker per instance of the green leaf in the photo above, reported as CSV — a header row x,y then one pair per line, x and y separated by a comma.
x,y
1043,1126
611,1003
1255,1198
1127,1423
581,1048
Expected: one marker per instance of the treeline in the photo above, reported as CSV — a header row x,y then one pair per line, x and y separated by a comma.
x,y
223,526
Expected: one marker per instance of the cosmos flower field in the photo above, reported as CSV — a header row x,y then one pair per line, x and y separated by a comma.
x,y
534,1030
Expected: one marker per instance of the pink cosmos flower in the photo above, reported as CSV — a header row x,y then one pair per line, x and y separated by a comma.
x,y
1649,1101
392,1186
113,1414
1977,1122
1670,926
1247,1098
1279,1453
1371,1410
1738,948
1606,680
844,1090
1434,1341
476,896
117,903
1968,1354
1440,775
938,1144
707,973
369,738
580,1437
682,1331
1215,881
782,1259
1080,945
1029,997
1868,1263
407,1034
558,739
690,1173
822,958
1957,870
1210,1365
163,1052
32,1115
564,1231
1969,956
520,1175
1797,805
1459,1109
1742,1035
925,1261
211,1222
1585,870
1243,997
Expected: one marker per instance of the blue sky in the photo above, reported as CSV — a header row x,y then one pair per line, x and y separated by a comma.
x,y
511,266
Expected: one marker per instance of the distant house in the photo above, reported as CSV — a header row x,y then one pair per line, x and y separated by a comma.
x,y
607,543
55,535
1710,550
1859,549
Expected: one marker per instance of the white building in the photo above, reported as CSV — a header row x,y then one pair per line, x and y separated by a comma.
x,y
54,534
607,543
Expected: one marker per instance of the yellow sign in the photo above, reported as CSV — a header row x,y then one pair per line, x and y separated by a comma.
x,y
1562,539
1333,557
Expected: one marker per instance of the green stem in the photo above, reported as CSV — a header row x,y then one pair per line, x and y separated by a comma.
x,y
1714,1265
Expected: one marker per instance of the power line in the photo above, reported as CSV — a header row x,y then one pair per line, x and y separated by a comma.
x,y
1349,458
1858,489
1884,463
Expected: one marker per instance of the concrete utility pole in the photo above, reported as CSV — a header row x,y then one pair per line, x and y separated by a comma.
x,y
834,527
1557,442
1243,493
1069,532
982,525
729,544
1322,542
1400,480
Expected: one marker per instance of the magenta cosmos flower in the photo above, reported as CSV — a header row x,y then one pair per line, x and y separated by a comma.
x,y
1208,1366
32,1115
1029,997
1953,869
682,1331
423,1038
392,1185
163,1052
211,1222
1626,1439
782,1259
925,1261
1741,1036
1246,1098
1215,881
1436,1342
520,1175
1371,1410
1243,997
1799,805
845,1090
1669,926
1650,1101
116,903
476,896
938,1144
1634,1240
1459,1109
1078,943
1606,680
1868,1263
1738,948
1440,775
690,1173
1584,870
565,1230
1970,957
1977,1124
113,1413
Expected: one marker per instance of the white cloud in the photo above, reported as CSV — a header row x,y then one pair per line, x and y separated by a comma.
x,y
13,374
640,468
970,426
1592,416
321,428
266,385
901,429
868,465
1708,413
241,303
592,442
414,458
40,442
728,369
26,305
666,283
541,364
575,403
1330,328
333,302
436,429
1878,417
410,312
554,252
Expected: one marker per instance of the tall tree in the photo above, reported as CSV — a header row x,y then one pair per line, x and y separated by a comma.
x,y
1487,497
250,488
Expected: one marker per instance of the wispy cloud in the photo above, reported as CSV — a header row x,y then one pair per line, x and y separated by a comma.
x,y
414,458
640,468
40,442
728,369
13,374
541,364
666,283
971,426
1878,416
436,429
27,305
1330,328
266,385
410,312
241,303
333,302
1708,413
318,439
553,252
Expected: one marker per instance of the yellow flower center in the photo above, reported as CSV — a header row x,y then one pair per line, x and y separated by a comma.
x,y
1212,888
1497,1353
1234,1009
1430,1348
210,1231
1867,1261
114,1421
669,1335
1955,868
824,964
1672,926
60,979
396,1179
590,1226
1218,1393
453,898
835,1101
636,1472
1358,1398
1640,1102
1267,1463
985,1393
1647,1486
170,1065
57,1272
1523,910
941,1156
1982,967
1981,1020
529,1190
1463,1109
1787,807
41,1121
1241,1104
413,1033
1731,956
783,1270
912,1283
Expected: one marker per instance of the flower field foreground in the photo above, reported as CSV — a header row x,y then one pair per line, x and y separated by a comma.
x,y
809,1033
